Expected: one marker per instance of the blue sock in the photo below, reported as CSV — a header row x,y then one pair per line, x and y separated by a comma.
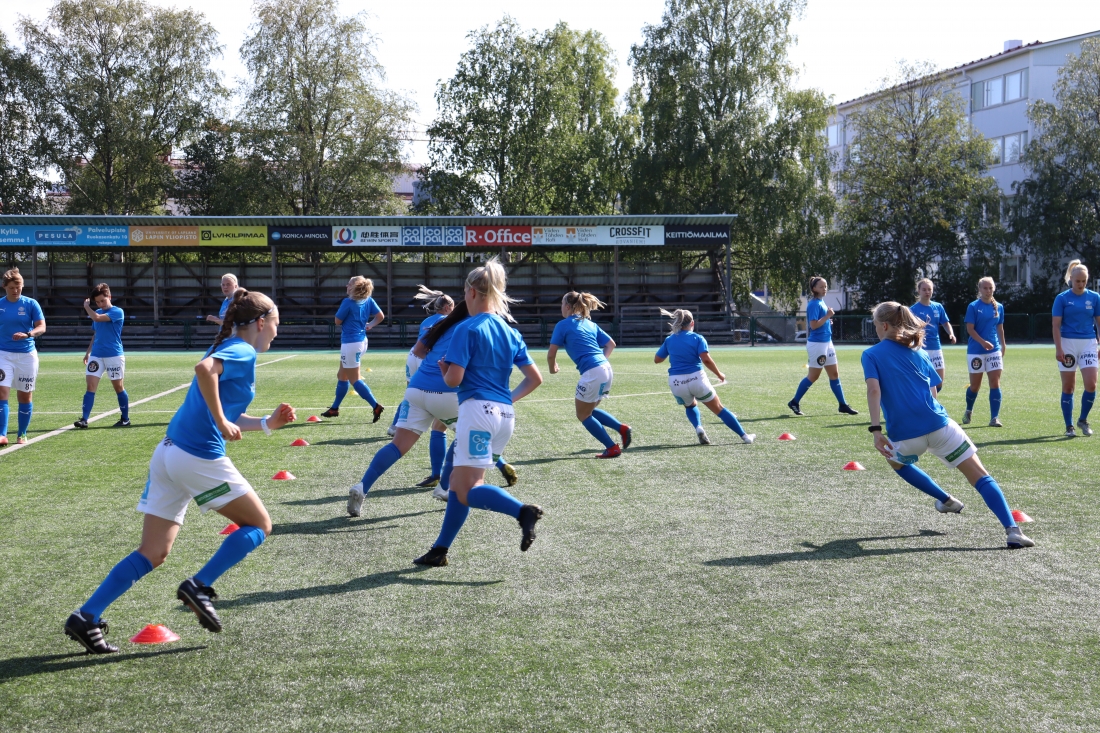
x,y
494,499
607,420
437,450
918,479
234,549
122,577
803,388
994,403
89,403
1086,404
500,462
363,391
5,415
970,397
693,415
995,500
592,425
453,519
383,459
24,419
1067,408
838,391
731,422
448,467
341,391
124,404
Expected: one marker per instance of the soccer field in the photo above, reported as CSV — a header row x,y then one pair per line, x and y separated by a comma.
x,y
679,587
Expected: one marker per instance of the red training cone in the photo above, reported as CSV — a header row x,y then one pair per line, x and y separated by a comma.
x,y
1020,517
283,476
230,528
155,634
300,442
786,436
313,418
853,466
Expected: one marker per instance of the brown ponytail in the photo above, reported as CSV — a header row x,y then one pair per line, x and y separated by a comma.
x,y
245,308
459,314
582,304
909,330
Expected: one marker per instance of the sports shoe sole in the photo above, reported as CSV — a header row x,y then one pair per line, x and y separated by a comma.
x,y
208,622
355,503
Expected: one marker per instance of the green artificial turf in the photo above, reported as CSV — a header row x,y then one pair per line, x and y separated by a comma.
x,y
679,587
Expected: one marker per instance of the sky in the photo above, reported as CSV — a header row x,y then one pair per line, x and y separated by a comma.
x,y
845,47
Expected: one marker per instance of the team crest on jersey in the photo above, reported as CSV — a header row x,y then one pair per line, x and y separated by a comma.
x,y
93,366
488,408
821,360
1069,360
976,363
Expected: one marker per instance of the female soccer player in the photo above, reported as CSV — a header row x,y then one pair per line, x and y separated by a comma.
x,y
933,314
229,286
21,320
819,345
901,382
1076,316
589,347
479,362
357,315
104,354
687,352
985,319
191,463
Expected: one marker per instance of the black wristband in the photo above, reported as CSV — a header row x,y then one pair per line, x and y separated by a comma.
x,y
874,428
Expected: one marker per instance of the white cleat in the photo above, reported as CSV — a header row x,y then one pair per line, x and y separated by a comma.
x,y
703,438
355,500
748,438
1017,539
1083,426
1070,432
391,431
996,423
440,493
966,418
951,506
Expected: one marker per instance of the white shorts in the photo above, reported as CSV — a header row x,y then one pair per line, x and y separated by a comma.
x,y
595,384
821,354
176,477
990,362
686,388
111,367
936,357
412,365
350,354
1080,353
950,444
483,430
20,369
420,409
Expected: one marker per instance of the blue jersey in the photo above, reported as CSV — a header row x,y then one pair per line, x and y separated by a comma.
x,y
583,341
935,316
108,334
985,323
225,307
487,347
18,317
427,323
1078,313
683,350
192,427
906,377
815,311
428,377
355,314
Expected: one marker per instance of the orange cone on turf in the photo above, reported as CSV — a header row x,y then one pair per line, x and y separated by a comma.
x,y
230,528
853,466
786,436
300,442
283,476
313,418
1020,517
155,634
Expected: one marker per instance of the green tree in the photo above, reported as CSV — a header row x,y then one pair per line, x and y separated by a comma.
x,y
24,132
914,188
130,82
326,138
528,124
221,177
722,130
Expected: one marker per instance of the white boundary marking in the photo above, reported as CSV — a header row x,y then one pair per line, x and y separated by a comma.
x,y
59,431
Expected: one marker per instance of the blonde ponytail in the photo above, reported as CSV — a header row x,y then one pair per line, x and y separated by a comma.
x,y
991,298
491,280
1074,267
680,318
908,329
582,304
433,301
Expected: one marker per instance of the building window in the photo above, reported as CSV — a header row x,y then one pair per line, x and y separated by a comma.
x,y
998,145
1016,85
833,132
999,90
1014,147
993,92
1011,271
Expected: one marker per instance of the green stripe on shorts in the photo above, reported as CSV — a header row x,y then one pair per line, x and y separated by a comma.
x,y
958,451
214,493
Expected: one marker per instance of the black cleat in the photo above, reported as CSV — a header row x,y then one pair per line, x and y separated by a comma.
x,y
627,435
847,410
89,634
122,424
331,412
528,515
81,423
435,557
794,407
198,598
378,410
508,471
429,482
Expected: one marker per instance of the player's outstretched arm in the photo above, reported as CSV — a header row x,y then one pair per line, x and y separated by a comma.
x,y
282,415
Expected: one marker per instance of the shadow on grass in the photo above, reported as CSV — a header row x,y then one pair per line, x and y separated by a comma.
x,y
405,576
317,502
342,524
354,441
1025,441
47,663
842,550
764,419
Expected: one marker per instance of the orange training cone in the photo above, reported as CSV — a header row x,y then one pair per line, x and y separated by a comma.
x,y
1020,517
300,442
283,476
786,436
155,634
313,418
853,466
230,528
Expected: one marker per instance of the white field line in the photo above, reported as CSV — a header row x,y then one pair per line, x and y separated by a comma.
x,y
59,431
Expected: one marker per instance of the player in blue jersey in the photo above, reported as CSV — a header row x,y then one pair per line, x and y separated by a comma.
x,y
191,463
589,347
687,352
104,355
1076,321
819,346
21,321
901,383
229,286
479,361
985,319
357,315
935,316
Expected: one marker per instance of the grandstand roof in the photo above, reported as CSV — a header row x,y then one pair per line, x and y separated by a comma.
x,y
408,221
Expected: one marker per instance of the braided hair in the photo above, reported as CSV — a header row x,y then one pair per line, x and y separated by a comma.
x,y
246,307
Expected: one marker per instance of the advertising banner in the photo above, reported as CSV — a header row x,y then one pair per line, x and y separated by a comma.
x,y
309,236
632,234
565,235
433,236
366,236
164,236
233,236
64,236
512,236
692,234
